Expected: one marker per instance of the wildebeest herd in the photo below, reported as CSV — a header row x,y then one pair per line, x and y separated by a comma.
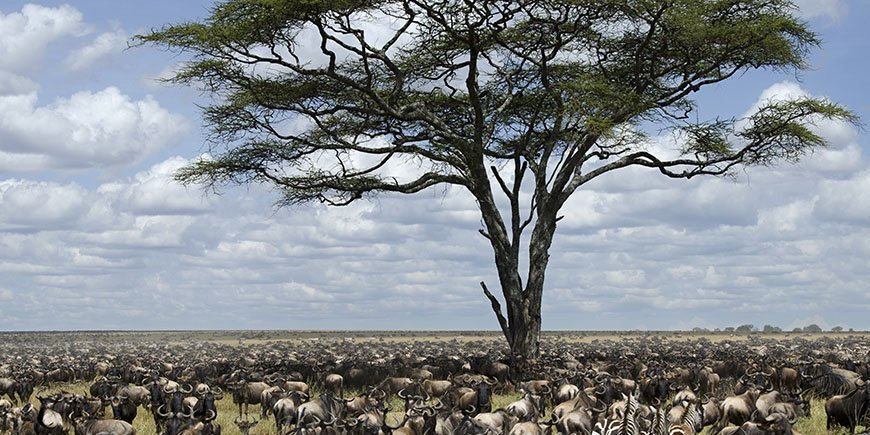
x,y
641,384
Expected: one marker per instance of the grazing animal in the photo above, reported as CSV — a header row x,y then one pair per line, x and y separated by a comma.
x,y
323,408
247,393
123,408
203,428
578,421
848,410
334,383
738,409
499,420
284,409
89,425
525,409
48,421
435,388
244,425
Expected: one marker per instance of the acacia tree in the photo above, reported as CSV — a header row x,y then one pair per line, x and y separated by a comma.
x,y
520,103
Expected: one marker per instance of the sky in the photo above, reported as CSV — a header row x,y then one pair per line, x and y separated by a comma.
x,y
94,234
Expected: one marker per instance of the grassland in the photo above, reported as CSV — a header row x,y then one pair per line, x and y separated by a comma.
x,y
227,412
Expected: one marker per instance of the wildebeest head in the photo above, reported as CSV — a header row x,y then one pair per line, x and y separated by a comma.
x,y
483,389
244,425
413,398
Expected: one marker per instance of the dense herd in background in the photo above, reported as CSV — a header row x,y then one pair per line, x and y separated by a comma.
x,y
641,385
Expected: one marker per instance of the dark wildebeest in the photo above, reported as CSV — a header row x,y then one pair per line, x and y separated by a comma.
x,y
247,393
850,409
90,425
323,408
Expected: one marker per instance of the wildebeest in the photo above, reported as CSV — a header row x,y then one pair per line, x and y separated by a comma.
x,y
738,409
322,408
48,421
203,428
850,409
435,388
284,409
334,383
244,425
392,385
89,425
7,387
247,393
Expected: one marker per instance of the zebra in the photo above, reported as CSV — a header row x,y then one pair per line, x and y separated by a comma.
x,y
691,421
659,424
627,425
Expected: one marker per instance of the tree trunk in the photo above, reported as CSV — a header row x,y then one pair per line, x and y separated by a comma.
x,y
525,337
522,327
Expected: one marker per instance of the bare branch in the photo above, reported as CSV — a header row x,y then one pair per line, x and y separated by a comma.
x,y
496,308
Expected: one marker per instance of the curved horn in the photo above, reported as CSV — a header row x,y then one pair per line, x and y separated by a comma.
x,y
188,390
210,415
600,410
402,394
489,381
546,390
162,414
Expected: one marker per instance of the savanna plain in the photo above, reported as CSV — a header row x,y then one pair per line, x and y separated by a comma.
x,y
396,373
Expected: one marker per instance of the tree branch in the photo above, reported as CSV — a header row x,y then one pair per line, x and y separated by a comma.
x,y
496,308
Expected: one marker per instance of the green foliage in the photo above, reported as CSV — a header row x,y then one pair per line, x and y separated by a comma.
x,y
561,79
319,99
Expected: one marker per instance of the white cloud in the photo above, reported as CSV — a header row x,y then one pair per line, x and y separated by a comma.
x,y
12,84
25,35
28,205
105,44
23,162
830,9
635,248
87,129
845,200
154,192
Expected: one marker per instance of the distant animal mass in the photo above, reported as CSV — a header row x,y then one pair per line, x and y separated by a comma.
x,y
629,384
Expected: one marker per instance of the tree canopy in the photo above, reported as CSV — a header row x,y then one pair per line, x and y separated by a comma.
x,y
520,103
